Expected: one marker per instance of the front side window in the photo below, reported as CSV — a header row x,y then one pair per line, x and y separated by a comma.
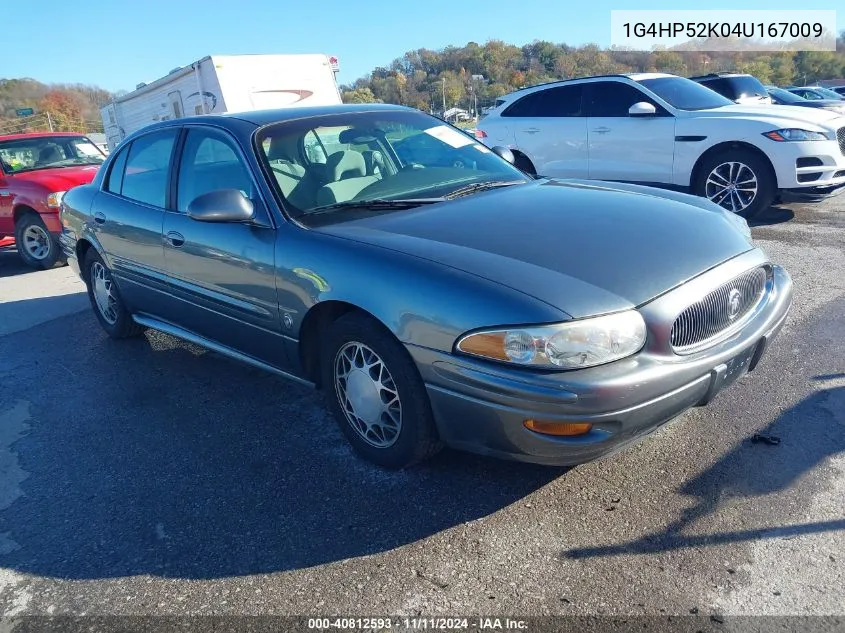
x,y
209,162
358,157
147,166
614,99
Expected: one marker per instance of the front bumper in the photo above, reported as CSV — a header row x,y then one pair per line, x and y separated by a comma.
x,y
481,408
814,167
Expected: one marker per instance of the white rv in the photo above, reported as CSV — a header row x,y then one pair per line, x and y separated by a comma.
x,y
224,83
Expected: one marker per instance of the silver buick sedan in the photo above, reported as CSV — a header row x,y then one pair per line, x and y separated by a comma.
x,y
434,292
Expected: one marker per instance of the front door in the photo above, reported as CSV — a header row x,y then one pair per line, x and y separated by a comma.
x,y
625,147
549,128
223,273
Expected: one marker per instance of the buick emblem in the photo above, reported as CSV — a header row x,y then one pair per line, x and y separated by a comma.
x,y
734,300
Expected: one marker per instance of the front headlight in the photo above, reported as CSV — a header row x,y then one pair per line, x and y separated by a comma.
x,y
54,200
570,345
795,134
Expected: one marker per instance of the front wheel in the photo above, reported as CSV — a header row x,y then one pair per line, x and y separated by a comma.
x,y
376,394
36,246
738,181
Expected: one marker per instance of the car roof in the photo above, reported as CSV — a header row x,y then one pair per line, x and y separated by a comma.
x,y
563,82
15,137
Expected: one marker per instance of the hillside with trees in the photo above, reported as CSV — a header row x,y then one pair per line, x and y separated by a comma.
x,y
65,107
462,76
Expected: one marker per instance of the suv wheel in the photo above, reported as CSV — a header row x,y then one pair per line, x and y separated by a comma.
x,y
739,181
37,248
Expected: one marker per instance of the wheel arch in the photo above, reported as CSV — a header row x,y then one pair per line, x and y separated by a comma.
x,y
726,146
21,209
318,318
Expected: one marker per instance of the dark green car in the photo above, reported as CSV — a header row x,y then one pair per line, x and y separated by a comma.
x,y
437,294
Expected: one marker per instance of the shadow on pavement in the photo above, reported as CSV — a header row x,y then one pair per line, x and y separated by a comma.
x,y
151,457
808,436
771,216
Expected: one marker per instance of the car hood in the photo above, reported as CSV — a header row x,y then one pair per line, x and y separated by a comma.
x,y
60,178
585,248
781,115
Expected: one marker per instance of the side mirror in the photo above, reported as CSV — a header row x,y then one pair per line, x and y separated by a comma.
x,y
222,205
642,109
504,152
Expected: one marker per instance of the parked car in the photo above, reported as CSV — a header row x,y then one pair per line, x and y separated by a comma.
x,y
840,90
784,97
815,93
738,87
451,299
36,170
666,130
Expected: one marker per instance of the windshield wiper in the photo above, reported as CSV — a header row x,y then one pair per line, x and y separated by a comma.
x,y
375,205
480,186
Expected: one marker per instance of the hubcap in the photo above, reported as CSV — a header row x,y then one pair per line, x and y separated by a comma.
x,y
732,185
36,242
367,394
103,287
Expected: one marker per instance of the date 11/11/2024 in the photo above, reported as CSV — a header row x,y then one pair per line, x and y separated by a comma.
x,y
418,624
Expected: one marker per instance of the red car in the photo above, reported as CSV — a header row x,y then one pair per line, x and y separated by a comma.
x,y
36,170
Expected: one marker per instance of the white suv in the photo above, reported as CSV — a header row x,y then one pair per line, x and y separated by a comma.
x,y
669,131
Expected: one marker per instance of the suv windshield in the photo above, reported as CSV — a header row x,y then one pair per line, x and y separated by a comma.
x,y
685,94
389,160
48,152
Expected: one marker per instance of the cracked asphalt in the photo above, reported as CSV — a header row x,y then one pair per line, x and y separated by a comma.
x,y
152,477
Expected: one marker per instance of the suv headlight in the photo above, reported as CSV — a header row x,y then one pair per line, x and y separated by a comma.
x,y
569,345
795,134
54,200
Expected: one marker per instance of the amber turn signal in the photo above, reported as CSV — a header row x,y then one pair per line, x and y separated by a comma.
x,y
558,428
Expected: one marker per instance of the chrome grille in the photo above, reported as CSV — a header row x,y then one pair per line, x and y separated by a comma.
x,y
840,136
719,310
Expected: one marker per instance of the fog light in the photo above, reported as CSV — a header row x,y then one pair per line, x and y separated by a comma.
x,y
558,428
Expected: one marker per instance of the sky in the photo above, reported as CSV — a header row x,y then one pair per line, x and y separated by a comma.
x,y
116,44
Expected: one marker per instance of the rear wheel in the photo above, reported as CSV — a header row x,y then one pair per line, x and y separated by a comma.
x,y
105,299
36,246
376,394
739,181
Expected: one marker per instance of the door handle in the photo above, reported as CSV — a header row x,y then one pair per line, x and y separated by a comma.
x,y
601,130
99,218
175,239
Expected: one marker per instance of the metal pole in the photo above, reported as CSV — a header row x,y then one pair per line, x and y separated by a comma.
x,y
444,96
50,121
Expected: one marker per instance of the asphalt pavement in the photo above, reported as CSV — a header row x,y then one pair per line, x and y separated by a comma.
x,y
151,476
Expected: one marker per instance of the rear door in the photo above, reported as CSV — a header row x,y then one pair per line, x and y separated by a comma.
x,y
625,147
549,127
128,214
223,273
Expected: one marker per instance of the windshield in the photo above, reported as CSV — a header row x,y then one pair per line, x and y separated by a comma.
x,y
830,94
339,162
685,94
784,95
48,152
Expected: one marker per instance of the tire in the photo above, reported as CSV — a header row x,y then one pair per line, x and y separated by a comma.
x,y
740,167
351,342
116,319
36,245
523,163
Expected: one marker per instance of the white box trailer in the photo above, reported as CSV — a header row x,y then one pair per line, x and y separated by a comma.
x,y
224,83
